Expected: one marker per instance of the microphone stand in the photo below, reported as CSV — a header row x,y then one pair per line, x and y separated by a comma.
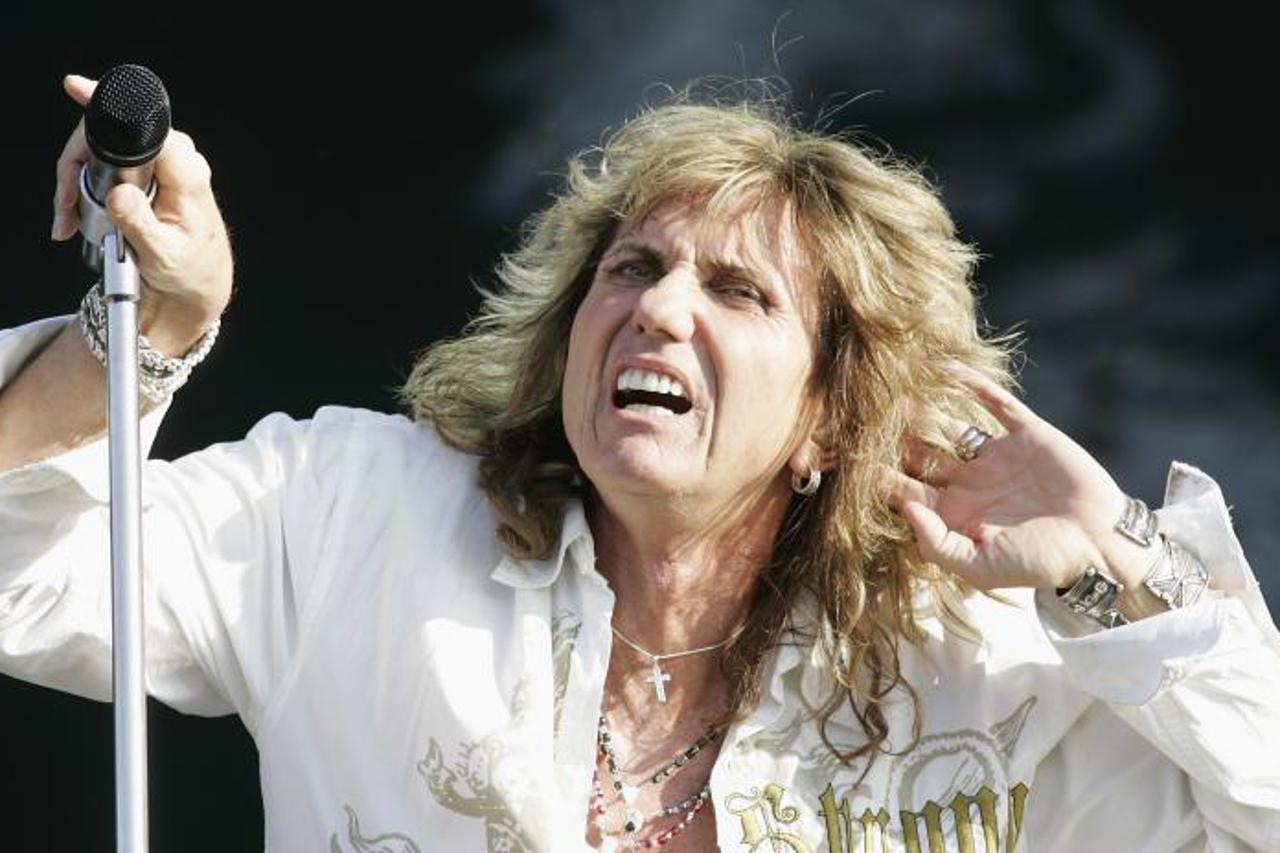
x,y
122,286
125,125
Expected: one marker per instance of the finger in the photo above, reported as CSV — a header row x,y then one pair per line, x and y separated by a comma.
x,y
179,166
79,88
67,190
128,207
955,429
899,490
1011,412
926,462
938,543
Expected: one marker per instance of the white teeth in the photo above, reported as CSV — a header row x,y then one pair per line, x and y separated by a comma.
x,y
633,378
651,410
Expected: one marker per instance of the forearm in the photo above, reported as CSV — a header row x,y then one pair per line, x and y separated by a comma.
x,y
55,404
1200,683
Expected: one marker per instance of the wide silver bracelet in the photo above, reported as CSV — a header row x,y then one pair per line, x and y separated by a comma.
x,y
158,374
1176,576
1138,523
1093,596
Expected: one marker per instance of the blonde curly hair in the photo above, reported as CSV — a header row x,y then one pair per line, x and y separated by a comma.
x,y
896,305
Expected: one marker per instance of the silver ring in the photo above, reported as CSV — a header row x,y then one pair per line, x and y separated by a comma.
x,y
970,444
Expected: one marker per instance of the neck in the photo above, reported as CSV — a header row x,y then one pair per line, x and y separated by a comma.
x,y
679,585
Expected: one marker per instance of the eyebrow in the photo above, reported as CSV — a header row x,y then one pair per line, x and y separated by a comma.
x,y
652,255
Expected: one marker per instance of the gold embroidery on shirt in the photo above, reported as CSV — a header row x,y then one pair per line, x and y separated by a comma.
x,y
565,626
837,820
842,831
941,797
390,843
1017,806
976,761
760,814
486,781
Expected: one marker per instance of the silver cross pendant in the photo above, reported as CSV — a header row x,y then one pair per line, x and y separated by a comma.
x,y
658,680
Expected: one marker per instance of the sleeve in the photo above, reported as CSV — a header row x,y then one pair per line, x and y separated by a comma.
x,y
230,545
1201,684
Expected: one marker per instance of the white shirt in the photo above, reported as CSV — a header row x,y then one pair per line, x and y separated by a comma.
x,y
337,583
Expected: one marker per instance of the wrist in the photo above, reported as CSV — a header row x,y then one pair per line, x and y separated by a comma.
x,y
1130,563
1135,572
1138,602
172,326
159,374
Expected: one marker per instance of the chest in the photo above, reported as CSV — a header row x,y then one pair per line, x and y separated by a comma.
x,y
454,718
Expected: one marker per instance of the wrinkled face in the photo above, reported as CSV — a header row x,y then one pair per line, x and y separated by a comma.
x,y
689,358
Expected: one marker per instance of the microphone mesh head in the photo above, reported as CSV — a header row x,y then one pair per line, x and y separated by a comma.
x,y
127,119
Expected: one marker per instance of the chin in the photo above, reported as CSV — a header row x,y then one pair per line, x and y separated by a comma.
x,y
637,471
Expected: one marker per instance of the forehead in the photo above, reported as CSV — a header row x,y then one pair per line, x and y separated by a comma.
x,y
758,238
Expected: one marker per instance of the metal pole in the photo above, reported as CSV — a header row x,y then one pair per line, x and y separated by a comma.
x,y
122,286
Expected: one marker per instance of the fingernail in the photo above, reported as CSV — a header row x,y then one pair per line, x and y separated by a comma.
x,y
53,232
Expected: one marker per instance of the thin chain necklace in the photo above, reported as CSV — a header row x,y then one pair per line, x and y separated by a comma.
x,y
632,817
659,677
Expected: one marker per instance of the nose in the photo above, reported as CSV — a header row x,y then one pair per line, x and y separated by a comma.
x,y
667,308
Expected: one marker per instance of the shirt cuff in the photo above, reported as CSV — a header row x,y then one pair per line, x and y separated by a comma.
x,y
1129,664
87,465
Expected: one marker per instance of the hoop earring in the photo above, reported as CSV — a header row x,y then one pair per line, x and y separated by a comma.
x,y
806,488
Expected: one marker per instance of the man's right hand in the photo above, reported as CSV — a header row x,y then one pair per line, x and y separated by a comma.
x,y
180,243
57,399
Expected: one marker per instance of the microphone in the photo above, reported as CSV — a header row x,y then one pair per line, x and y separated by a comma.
x,y
125,126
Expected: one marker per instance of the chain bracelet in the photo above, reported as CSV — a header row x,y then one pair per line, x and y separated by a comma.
x,y
159,376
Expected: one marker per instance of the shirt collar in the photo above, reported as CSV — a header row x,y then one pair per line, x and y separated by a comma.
x,y
575,545
799,677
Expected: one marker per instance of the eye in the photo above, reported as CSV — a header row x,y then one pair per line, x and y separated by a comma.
x,y
635,269
741,290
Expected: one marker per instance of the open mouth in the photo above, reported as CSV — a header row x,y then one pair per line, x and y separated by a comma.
x,y
676,405
637,387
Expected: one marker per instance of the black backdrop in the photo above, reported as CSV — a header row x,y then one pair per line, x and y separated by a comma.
x,y
1113,163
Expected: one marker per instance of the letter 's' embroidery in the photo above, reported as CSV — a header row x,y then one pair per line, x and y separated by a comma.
x,y
764,818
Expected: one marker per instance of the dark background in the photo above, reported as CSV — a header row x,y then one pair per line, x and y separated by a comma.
x,y
1112,162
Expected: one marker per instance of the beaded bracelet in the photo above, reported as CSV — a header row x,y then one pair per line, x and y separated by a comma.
x,y
158,374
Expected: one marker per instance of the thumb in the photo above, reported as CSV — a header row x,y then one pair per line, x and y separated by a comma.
x,y
79,88
128,207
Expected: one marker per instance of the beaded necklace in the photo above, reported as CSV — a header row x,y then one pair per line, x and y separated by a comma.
x,y
632,817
